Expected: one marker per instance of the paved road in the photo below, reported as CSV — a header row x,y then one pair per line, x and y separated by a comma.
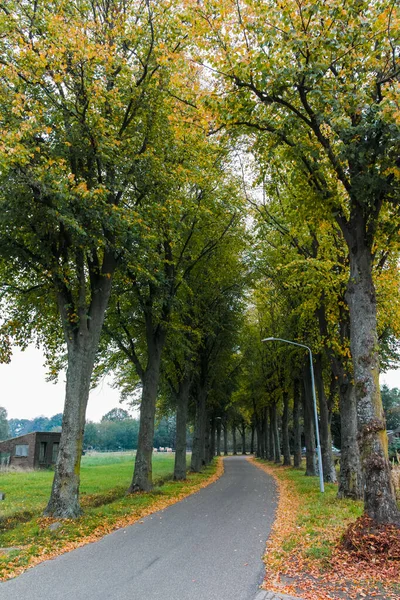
x,y
207,547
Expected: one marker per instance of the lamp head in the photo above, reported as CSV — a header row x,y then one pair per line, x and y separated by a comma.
x,y
270,339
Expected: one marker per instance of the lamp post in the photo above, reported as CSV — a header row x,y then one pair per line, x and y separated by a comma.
x,y
321,474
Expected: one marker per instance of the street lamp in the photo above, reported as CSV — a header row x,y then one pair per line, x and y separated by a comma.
x,y
321,474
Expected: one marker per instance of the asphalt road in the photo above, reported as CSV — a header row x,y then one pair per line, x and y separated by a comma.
x,y
207,547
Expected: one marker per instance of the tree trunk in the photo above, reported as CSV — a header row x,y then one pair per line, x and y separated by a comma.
x,y
225,426
182,402
275,433
142,475
285,430
296,424
218,436
260,440
197,461
253,429
379,497
271,440
213,429
234,440
243,433
82,344
309,429
207,428
350,477
328,464
265,425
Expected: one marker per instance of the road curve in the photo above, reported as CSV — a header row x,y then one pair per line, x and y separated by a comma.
x,y
207,547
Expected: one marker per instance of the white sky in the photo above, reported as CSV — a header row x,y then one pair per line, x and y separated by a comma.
x,y
25,394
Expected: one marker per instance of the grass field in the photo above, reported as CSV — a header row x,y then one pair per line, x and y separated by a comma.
x,y
107,473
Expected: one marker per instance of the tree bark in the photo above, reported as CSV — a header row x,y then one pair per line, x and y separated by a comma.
x,y
182,402
82,343
309,429
296,424
285,430
253,429
275,433
243,434
225,427
260,440
197,461
213,429
271,440
207,429
218,436
379,498
325,428
265,426
142,474
350,476
234,440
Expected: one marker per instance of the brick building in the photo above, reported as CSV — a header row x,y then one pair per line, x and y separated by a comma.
x,y
30,451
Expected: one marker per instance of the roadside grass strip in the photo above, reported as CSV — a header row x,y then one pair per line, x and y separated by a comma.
x,y
32,541
305,555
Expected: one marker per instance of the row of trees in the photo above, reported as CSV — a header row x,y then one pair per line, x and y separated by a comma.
x,y
134,136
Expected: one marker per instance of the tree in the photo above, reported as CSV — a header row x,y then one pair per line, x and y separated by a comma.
x,y
115,414
321,79
4,428
80,86
391,406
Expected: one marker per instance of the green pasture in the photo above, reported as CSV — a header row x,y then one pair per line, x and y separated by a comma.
x,y
104,476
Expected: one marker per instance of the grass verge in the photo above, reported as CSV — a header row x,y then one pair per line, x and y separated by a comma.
x,y
303,555
39,538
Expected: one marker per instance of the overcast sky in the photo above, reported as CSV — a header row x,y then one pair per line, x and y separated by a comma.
x,y
25,394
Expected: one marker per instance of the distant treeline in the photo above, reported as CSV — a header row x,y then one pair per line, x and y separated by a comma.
x,y
118,431
22,426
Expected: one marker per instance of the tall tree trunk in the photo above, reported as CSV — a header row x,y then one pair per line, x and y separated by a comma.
x,y
296,424
213,429
143,473
82,344
275,433
325,428
265,426
234,440
253,429
218,436
243,434
350,476
182,402
379,498
197,460
260,439
285,430
309,429
207,426
225,427
271,440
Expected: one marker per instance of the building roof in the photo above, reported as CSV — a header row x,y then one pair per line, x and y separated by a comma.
x,y
31,433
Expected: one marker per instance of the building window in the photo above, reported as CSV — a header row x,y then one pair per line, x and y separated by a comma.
x,y
42,452
21,450
55,452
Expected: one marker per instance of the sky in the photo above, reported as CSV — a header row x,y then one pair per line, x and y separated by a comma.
x,y
25,394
